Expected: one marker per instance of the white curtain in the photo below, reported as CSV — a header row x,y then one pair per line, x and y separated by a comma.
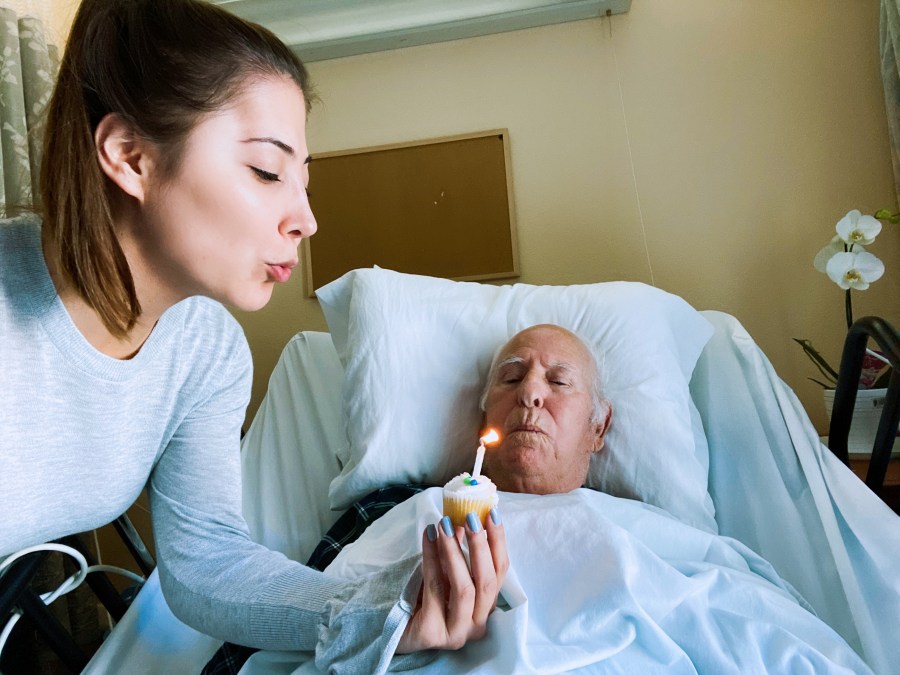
x,y
890,75
28,66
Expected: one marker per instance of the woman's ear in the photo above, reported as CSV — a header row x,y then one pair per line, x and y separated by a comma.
x,y
600,429
124,155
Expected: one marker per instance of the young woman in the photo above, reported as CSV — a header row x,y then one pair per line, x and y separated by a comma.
x,y
173,179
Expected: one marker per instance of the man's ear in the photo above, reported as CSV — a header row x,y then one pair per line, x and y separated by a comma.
x,y
123,155
600,429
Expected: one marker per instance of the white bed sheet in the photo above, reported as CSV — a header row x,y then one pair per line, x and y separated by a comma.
x,y
784,494
288,456
150,640
605,584
775,488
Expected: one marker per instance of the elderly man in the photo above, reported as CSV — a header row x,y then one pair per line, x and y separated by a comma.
x,y
543,394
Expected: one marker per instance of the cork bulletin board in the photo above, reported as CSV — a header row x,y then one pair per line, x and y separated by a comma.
x,y
441,207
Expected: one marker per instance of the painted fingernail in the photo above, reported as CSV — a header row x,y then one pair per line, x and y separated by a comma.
x,y
473,523
431,532
495,516
447,526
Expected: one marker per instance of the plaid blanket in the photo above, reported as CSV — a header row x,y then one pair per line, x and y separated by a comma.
x,y
230,658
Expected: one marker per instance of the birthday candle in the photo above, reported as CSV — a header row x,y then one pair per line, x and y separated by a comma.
x,y
490,437
479,458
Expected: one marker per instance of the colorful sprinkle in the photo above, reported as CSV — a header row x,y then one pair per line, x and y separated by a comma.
x,y
473,482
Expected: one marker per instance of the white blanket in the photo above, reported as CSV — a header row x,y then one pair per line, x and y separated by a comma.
x,y
611,585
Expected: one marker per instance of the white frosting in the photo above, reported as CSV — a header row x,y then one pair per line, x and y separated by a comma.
x,y
484,487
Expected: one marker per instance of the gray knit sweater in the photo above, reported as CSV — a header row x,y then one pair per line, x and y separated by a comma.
x,y
82,433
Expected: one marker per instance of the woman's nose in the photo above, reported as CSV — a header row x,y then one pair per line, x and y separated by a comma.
x,y
300,223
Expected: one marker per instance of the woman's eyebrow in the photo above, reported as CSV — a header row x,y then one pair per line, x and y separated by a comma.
x,y
278,144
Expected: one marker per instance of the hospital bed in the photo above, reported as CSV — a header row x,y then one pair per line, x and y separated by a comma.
x,y
767,479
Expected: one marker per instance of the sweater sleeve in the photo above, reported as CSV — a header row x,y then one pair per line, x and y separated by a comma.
x,y
213,576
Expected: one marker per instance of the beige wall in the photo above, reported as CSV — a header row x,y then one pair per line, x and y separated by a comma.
x,y
61,15
752,126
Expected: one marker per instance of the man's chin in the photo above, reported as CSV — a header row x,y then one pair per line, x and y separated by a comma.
x,y
518,465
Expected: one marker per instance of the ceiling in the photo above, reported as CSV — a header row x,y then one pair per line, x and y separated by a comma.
x,y
326,29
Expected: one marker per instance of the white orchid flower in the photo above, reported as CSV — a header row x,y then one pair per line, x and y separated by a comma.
x,y
855,228
836,245
854,270
833,247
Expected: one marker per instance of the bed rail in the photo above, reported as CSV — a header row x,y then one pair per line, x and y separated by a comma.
x,y
888,339
16,593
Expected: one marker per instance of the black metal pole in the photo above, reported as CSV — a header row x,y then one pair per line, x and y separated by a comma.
x,y
888,340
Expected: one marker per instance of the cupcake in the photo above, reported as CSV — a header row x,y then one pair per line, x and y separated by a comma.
x,y
465,494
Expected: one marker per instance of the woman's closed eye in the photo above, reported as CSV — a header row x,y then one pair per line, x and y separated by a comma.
x,y
267,176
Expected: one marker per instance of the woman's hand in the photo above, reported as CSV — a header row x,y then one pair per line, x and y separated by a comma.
x,y
454,603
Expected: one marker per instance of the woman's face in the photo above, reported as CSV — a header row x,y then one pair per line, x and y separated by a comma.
x,y
226,224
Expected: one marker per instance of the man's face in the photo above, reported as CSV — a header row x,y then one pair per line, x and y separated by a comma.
x,y
540,400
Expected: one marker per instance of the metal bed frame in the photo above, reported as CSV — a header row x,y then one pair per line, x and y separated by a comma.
x,y
888,339
16,593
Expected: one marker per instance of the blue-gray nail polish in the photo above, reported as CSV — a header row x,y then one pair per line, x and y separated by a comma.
x,y
447,526
473,523
431,532
495,516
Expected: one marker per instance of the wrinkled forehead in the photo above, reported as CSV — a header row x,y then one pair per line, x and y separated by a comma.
x,y
549,345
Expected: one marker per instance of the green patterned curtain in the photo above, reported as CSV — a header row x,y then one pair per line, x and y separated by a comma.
x,y
890,75
28,68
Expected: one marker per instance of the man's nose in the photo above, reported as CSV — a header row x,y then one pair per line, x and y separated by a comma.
x,y
532,391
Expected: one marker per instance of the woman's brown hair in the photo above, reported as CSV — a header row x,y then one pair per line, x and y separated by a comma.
x,y
160,65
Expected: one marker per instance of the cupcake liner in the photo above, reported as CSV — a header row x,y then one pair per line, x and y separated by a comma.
x,y
457,507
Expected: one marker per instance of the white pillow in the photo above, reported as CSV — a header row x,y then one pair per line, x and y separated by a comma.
x,y
416,351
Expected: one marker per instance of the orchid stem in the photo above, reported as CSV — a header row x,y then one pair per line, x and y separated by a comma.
x,y
848,306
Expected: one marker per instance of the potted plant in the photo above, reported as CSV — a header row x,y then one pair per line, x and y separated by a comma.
x,y
848,264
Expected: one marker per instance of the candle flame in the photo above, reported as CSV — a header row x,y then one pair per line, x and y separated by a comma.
x,y
491,436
